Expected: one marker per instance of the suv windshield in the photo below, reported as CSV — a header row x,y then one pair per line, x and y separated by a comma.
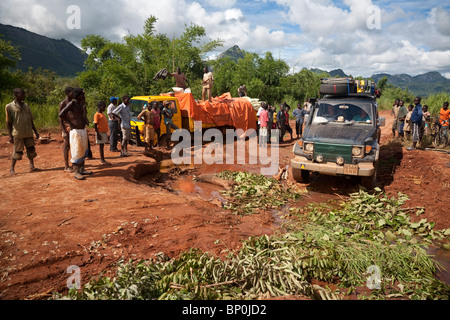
x,y
343,113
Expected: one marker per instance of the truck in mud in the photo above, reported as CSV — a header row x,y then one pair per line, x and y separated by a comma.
x,y
224,112
341,138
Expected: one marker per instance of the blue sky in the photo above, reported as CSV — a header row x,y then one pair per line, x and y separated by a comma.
x,y
413,36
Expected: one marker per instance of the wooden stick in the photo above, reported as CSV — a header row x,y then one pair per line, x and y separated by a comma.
x,y
64,221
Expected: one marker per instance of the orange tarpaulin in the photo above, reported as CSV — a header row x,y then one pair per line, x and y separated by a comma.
x,y
222,111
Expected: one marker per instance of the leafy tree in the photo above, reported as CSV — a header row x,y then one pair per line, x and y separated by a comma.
x,y
382,83
9,56
129,67
302,85
225,71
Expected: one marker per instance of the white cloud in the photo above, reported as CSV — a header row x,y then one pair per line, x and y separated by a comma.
x,y
222,4
441,20
306,33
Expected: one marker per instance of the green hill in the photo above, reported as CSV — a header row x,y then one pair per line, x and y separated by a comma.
x,y
422,85
234,53
38,51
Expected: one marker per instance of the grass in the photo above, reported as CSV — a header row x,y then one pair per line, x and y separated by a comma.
x,y
435,102
45,115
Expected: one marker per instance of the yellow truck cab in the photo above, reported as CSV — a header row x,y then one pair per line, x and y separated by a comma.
x,y
137,106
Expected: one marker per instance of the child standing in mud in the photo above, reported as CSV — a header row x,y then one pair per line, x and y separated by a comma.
x,y
101,130
65,134
20,124
74,114
407,127
149,132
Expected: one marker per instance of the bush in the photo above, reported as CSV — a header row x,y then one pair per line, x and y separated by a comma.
x,y
390,93
435,102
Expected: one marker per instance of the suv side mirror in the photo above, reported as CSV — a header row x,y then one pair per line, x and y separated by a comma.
x,y
306,119
381,122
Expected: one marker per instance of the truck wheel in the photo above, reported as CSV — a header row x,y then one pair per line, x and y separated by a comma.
x,y
300,175
369,182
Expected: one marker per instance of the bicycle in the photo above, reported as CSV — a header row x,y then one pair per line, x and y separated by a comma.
x,y
440,134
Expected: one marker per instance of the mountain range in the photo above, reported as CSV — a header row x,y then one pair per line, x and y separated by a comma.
x,y
234,53
422,84
37,51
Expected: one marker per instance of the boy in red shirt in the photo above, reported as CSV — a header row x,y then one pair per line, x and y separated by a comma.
x,y
444,119
101,130
263,130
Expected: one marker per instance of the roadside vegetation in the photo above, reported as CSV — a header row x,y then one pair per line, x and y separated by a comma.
x,y
366,242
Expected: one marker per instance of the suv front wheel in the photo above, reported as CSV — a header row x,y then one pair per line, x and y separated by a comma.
x,y
301,175
369,182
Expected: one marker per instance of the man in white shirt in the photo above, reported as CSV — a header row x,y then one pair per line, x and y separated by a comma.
x,y
123,111
208,81
113,123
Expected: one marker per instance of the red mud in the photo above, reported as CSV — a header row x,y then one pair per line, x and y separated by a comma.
x,y
49,221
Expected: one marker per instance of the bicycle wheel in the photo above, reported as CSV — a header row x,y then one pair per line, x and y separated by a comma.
x,y
437,140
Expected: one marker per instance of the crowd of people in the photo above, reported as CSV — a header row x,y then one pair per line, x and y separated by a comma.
x,y
414,122
74,123
267,122
117,120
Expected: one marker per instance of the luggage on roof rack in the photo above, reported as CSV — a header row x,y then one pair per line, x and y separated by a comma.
x,y
338,86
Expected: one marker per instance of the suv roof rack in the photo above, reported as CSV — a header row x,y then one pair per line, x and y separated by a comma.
x,y
352,95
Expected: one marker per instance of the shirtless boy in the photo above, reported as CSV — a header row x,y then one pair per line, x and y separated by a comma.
x,y
75,115
64,126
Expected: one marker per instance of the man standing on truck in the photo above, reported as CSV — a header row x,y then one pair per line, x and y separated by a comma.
x,y
208,82
242,91
180,79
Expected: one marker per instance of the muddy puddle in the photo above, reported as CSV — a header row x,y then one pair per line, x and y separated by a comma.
x,y
187,185
442,257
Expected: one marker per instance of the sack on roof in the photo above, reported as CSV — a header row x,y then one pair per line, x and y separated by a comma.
x,y
162,74
338,86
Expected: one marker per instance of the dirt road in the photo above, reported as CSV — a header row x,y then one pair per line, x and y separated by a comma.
x,y
49,221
